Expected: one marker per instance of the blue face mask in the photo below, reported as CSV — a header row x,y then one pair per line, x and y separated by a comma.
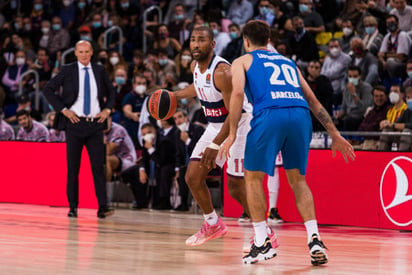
x,y
81,5
370,30
110,23
178,16
16,26
162,62
124,5
215,32
120,80
233,35
303,8
409,102
409,74
56,27
84,37
97,24
353,80
184,101
38,7
263,10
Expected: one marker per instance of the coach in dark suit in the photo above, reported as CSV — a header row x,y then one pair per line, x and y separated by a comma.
x,y
83,106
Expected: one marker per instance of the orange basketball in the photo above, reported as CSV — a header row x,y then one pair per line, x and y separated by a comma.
x,y
162,104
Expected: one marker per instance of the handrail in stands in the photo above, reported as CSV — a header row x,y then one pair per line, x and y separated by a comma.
x,y
120,42
154,7
36,85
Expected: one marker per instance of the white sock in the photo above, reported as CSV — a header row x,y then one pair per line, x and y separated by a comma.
x,y
311,228
260,232
273,188
211,218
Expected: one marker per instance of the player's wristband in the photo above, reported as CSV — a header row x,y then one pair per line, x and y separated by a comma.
x,y
213,146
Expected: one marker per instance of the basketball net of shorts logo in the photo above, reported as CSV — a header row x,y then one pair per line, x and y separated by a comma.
x,y
396,191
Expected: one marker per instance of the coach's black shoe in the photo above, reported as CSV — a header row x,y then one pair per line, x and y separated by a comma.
x,y
72,213
261,253
317,250
105,212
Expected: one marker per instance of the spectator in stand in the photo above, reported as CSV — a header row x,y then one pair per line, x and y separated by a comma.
x,y
59,37
394,49
24,103
132,105
30,130
322,88
240,11
136,66
82,12
372,38
348,34
373,116
45,36
234,49
114,60
177,24
368,63
12,76
129,11
404,14
266,13
164,42
37,15
67,13
122,88
6,131
408,80
335,67
151,81
281,23
396,97
97,26
357,97
183,61
165,68
302,45
403,124
54,134
313,21
187,135
222,39
43,65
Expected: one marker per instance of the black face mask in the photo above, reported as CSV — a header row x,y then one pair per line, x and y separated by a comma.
x,y
299,30
103,60
392,26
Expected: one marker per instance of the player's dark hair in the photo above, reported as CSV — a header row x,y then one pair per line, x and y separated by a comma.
x,y
207,29
258,32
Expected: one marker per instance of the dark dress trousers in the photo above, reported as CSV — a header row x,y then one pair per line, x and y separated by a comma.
x,y
84,133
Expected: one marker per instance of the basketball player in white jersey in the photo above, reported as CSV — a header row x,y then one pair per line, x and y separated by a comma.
x,y
212,85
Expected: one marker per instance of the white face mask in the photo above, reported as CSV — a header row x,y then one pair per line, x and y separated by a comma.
x,y
149,137
159,124
114,60
347,31
45,30
20,61
67,2
334,52
394,97
186,58
182,127
140,89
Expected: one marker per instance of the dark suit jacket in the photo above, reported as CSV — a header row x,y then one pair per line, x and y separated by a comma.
x,y
68,79
195,132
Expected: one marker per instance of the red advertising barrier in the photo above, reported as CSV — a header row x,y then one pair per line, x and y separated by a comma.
x,y
373,191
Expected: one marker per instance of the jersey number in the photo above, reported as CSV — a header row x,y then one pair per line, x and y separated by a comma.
x,y
239,165
288,72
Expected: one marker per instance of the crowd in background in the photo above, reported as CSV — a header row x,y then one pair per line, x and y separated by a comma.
x,y
355,55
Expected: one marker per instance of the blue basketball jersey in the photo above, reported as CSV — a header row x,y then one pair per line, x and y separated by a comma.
x,y
272,81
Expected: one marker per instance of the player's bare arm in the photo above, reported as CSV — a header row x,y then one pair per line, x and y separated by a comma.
x,y
189,91
338,142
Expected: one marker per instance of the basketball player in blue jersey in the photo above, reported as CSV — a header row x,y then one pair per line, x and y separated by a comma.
x,y
281,101
212,84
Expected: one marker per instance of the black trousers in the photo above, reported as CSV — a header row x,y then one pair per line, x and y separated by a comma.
x,y
90,135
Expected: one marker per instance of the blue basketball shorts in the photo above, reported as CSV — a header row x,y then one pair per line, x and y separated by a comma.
x,y
288,130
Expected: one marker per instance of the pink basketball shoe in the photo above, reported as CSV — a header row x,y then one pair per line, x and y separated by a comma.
x,y
207,232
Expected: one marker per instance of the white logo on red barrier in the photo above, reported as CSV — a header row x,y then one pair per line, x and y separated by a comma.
x,y
396,191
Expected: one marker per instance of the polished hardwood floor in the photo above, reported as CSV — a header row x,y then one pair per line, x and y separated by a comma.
x,y
42,240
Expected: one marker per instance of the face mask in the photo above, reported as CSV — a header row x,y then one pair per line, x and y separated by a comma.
x,y
233,35
393,97
96,24
163,62
299,30
347,31
184,101
56,27
110,23
263,10
392,27
67,2
334,52
388,7
81,5
358,51
409,102
38,7
16,26
164,35
215,32
85,37
124,5
186,58
353,80
370,30
149,137
182,127
159,124
120,80
27,27
303,8
178,16
45,30
20,61
140,89
409,74
114,60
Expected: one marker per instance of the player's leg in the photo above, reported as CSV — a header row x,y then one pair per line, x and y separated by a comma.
x,y
273,190
112,164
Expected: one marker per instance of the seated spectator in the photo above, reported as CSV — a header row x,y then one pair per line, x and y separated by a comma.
x,y
348,33
396,97
183,61
372,38
114,60
266,13
59,37
121,157
122,88
11,77
240,12
404,14
54,135
357,97
24,103
177,25
162,41
408,80
30,130
221,38
313,21
323,90
137,65
373,116
235,47
164,67
335,67
6,131
45,34
367,62
394,49
97,27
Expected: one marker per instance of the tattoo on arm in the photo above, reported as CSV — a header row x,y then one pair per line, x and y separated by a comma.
x,y
325,119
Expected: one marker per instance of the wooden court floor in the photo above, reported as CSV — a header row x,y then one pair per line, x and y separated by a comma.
x,y
42,240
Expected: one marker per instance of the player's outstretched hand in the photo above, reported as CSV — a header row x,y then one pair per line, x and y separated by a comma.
x,y
343,146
